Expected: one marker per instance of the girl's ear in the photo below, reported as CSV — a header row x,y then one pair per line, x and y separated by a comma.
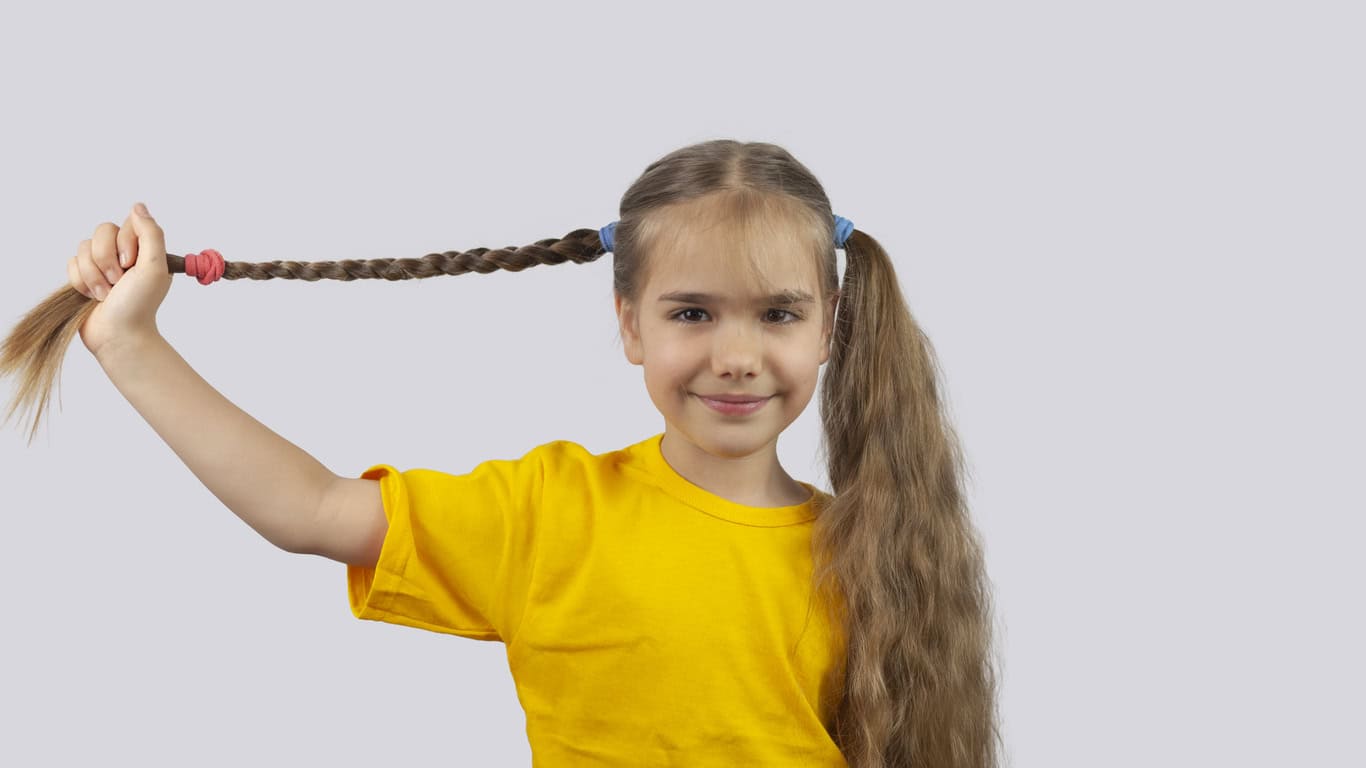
x,y
629,323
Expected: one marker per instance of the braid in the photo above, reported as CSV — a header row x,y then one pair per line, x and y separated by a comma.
x,y
33,351
579,246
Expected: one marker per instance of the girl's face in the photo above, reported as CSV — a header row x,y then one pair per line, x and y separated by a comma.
x,y
705,327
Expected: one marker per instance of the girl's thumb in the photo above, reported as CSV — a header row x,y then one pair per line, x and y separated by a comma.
x,y
151,239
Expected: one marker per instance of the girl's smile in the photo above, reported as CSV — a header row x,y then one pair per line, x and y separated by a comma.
x,y
734,405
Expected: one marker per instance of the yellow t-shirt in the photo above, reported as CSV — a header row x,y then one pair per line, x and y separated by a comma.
x,y
648,622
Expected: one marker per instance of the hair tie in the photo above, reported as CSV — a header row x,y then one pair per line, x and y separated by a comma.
x,y
843,227
207,266
607,234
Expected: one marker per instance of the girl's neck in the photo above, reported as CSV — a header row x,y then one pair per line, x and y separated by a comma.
x,y
756,480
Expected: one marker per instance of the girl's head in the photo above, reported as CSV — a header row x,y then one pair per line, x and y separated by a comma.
x,y
725,284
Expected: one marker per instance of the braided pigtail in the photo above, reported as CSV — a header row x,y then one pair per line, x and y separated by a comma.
x,y
33,351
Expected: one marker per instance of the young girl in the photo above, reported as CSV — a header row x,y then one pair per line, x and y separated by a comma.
x,y
682,600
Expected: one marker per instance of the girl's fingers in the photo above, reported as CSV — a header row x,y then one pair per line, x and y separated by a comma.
x,y
73,274
104,252
127,243
94,279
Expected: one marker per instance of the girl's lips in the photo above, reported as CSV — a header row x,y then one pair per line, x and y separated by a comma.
x,y
734,409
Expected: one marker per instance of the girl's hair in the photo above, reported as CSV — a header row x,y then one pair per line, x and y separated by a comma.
x,y
896,559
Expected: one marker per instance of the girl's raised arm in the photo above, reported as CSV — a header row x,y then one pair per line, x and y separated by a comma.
x,y
273,485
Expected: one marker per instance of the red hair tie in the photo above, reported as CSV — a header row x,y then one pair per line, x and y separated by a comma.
x,y
207,266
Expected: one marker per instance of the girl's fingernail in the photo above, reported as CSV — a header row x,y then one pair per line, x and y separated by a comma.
x,y
142,210
113,276
123,259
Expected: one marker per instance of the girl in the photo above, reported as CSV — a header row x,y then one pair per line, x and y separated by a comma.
x,y
680,601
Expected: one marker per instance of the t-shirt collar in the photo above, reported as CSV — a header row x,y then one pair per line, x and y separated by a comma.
x,y
647,456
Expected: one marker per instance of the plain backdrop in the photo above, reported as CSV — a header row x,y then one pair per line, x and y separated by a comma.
x,y
1133,231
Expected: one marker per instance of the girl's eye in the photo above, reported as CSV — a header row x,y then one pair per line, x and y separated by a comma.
x,y
682,315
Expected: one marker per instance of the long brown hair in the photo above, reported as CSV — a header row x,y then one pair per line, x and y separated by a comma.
x,y
895,552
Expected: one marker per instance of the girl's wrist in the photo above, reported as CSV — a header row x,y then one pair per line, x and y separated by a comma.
x,y
125,346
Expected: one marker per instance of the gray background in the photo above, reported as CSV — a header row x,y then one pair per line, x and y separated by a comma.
x,y
1133,232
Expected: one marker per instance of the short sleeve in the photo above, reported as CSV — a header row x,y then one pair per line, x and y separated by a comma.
x,y
458,553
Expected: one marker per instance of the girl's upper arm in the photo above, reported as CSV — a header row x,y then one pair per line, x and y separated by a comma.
x,y
351,522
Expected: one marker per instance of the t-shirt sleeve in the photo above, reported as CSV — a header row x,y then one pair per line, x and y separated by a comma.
x,y
457,555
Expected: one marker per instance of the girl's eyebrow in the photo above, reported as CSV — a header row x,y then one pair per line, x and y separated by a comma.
x,y
784,298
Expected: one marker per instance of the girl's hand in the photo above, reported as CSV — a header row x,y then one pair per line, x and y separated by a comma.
x,y
128,300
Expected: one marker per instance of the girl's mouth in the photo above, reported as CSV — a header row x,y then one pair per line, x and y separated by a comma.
x,y
734,409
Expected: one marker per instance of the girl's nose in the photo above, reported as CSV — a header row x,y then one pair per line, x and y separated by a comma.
x,y
738,351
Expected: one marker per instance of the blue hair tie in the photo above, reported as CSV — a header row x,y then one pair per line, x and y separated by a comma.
x,y
843,227
607,233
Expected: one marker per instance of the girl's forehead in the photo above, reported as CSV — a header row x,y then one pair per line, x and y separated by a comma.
x,y
724,267
724,274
